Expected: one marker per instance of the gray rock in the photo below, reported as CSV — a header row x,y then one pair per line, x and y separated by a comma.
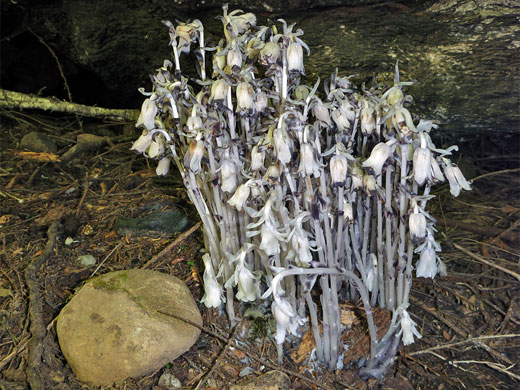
x,y
272,380
117,325
163,222
169,381
39,143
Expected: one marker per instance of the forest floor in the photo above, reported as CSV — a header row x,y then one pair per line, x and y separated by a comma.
x,y
469,319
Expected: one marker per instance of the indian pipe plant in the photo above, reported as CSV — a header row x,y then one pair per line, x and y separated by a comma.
x,y
307,198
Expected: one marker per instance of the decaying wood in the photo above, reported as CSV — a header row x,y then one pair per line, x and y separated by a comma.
x,y
37,327
21,101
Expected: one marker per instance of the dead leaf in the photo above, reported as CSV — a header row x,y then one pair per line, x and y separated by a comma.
x,y
6,218
307,344
54,214
42,157
87,229
348,318
446,335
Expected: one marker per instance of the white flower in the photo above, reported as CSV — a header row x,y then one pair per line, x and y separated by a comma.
x,y
338,169
408,326
340,119
455,178
295,58
269,240
281,144
245,100
286,319
427,266
422,165
194,122
143,142
248,288
147,115
219,90
261,102
269,54
156,148
357,178
370,185
436,173
368,120
257,159
228,176
308,163
417,225
193,156
163,167
321,112
348,212
348,110
234,56
239,198
377,158
273,172
372,273
213,291
244,22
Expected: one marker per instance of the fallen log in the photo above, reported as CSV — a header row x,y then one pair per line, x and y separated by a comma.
x,y
21,101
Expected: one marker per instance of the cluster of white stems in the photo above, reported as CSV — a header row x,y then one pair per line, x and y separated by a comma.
x,y
306,199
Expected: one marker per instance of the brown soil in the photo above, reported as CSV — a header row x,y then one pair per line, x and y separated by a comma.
x,y
469,319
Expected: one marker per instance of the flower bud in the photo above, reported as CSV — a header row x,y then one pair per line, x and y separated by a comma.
x,y
286,319
377,158
257,159
308,164
368,120
281,145
193,156
228,176
163,167
219,90
321,112
143,142
147,115
340,119
421,165
234,57
295,58
348,212
357,178
417,225
261,102
427,266
194,123
245,100
369,183
156,148
269,54
338,169
239,199
273,172
395,96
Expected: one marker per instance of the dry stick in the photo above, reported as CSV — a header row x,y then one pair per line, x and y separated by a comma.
x,y
487,262
470,340
504,171
247,352
219,357
106,258
37,326
169,248
21,101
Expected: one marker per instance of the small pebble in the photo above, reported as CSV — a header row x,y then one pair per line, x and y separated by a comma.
x,y
87,260
169,381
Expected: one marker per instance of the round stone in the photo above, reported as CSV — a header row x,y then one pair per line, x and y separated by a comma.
x,y
121,324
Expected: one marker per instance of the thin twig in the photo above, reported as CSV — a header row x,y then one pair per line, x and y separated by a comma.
x,y
219,357
248,353
106,258
484,261
469,340
169,248
504,171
